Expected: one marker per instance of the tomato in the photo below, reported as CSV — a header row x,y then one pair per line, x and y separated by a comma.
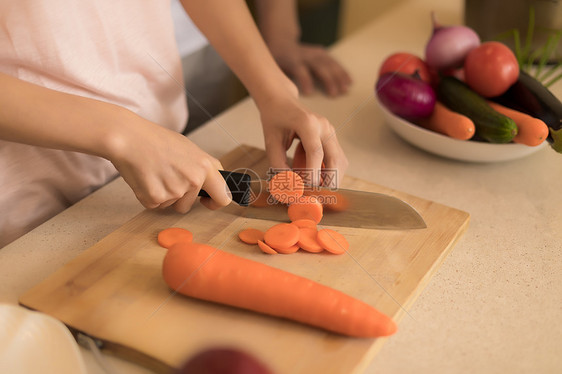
x,y
406,63
490,69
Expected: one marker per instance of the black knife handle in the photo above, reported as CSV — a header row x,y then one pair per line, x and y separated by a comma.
x,y
238,184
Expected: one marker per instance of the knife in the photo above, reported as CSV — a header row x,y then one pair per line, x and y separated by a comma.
x,y
343,207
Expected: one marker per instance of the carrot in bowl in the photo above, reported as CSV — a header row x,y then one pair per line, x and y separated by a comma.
x,y
203,272
447,122
532,131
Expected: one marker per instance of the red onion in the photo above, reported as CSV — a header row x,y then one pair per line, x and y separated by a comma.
x,y
223,360
449,45
405,96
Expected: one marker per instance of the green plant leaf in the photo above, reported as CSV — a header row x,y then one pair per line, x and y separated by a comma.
x,y
517,47
546,51
527,57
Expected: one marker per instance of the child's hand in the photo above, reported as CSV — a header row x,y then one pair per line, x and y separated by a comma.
x,y
286,119
164,168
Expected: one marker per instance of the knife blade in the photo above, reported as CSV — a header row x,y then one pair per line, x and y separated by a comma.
x,y
342,207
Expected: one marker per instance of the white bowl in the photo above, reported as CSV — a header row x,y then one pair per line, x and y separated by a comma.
x,y
448,147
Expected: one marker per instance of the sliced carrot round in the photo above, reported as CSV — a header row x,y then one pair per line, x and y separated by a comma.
x,y
288,251
307,207
332,241
304,222
286,186
170,236
282,235
266,249
251,236
307,240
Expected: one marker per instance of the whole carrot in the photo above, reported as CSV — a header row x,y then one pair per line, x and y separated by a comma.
x,y
532,131
447,122
203,272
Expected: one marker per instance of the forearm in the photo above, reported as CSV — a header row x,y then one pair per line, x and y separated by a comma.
x,y
151,158
39,116
229,27
278,20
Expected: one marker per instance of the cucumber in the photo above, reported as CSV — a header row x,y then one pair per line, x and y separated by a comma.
x,y
490,125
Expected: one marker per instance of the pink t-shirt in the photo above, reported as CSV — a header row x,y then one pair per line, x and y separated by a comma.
x,y
119,51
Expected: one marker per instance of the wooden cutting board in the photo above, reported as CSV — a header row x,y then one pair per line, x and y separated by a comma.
x,y
114,291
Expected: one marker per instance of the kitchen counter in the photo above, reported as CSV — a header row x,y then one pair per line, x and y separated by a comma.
x,y
494,305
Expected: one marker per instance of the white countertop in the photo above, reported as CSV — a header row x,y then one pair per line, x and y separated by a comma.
x,y
495,304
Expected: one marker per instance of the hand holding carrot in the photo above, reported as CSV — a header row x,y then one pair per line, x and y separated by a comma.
x,y
286,119
229,26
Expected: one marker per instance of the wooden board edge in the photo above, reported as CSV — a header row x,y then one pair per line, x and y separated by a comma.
x,y
402,311
375,348
435,266
124,352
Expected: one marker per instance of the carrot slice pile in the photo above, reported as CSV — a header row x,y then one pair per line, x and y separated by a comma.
x,y
304,222
266,249
305,211
288,250
282,235
251,236
308,241
332,241
307,207
302,232
168,237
